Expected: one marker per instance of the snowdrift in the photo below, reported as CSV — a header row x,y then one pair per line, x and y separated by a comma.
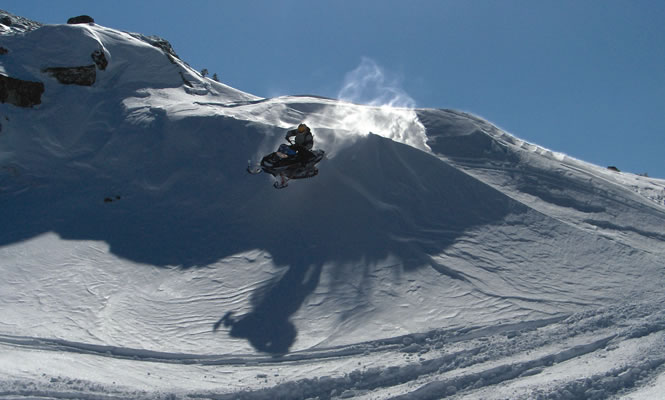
x,y
135,243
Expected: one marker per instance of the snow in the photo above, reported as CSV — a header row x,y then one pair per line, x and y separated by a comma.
x,y
435,255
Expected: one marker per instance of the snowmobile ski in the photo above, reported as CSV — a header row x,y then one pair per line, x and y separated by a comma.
x,y
254,169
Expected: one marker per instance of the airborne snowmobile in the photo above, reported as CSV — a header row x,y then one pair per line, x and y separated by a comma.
x,y
285,164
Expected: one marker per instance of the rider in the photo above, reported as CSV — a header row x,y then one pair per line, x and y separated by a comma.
x,y
304,141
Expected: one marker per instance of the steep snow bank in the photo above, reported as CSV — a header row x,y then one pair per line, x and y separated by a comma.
x,y
138,244
134,61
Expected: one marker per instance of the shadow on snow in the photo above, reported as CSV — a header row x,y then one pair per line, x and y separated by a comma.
x,y
183,198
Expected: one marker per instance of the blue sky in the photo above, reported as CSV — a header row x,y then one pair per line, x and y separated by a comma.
x,y
582,77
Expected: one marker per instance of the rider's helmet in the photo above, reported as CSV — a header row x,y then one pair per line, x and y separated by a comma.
x,y
302,128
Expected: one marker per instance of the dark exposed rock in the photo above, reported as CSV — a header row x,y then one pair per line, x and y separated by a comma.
x,y
19,92
84,76
160,43
613,168
185,81
3,51
112,199
14,24
81,19
100,59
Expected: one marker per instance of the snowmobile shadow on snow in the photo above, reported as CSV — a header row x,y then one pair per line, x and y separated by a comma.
x,y
195,205
353,216
268,327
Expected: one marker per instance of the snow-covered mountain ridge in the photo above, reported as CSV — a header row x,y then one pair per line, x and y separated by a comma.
x,y
433,251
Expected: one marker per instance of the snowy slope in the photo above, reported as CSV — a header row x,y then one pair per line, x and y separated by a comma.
x,y
434,255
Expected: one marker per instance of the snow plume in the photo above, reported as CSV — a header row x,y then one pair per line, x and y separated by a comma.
x,y
368,84
388,110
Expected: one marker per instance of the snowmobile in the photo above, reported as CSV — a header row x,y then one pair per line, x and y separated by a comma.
x,y
285,164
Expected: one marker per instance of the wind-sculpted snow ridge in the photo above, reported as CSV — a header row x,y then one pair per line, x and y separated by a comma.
x,y
473,142
434,255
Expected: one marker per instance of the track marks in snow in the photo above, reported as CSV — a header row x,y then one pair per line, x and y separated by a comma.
x,y
58,388
582,354
447,363
503,372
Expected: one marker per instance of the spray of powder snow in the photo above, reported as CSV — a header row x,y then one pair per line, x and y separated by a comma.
x,y
370,102
386,109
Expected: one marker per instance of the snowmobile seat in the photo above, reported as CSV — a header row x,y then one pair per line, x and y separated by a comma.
x,y
286,151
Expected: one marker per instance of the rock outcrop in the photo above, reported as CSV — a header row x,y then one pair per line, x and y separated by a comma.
x,y
159,43
81,19
19,92
100,59
12,24
83,76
